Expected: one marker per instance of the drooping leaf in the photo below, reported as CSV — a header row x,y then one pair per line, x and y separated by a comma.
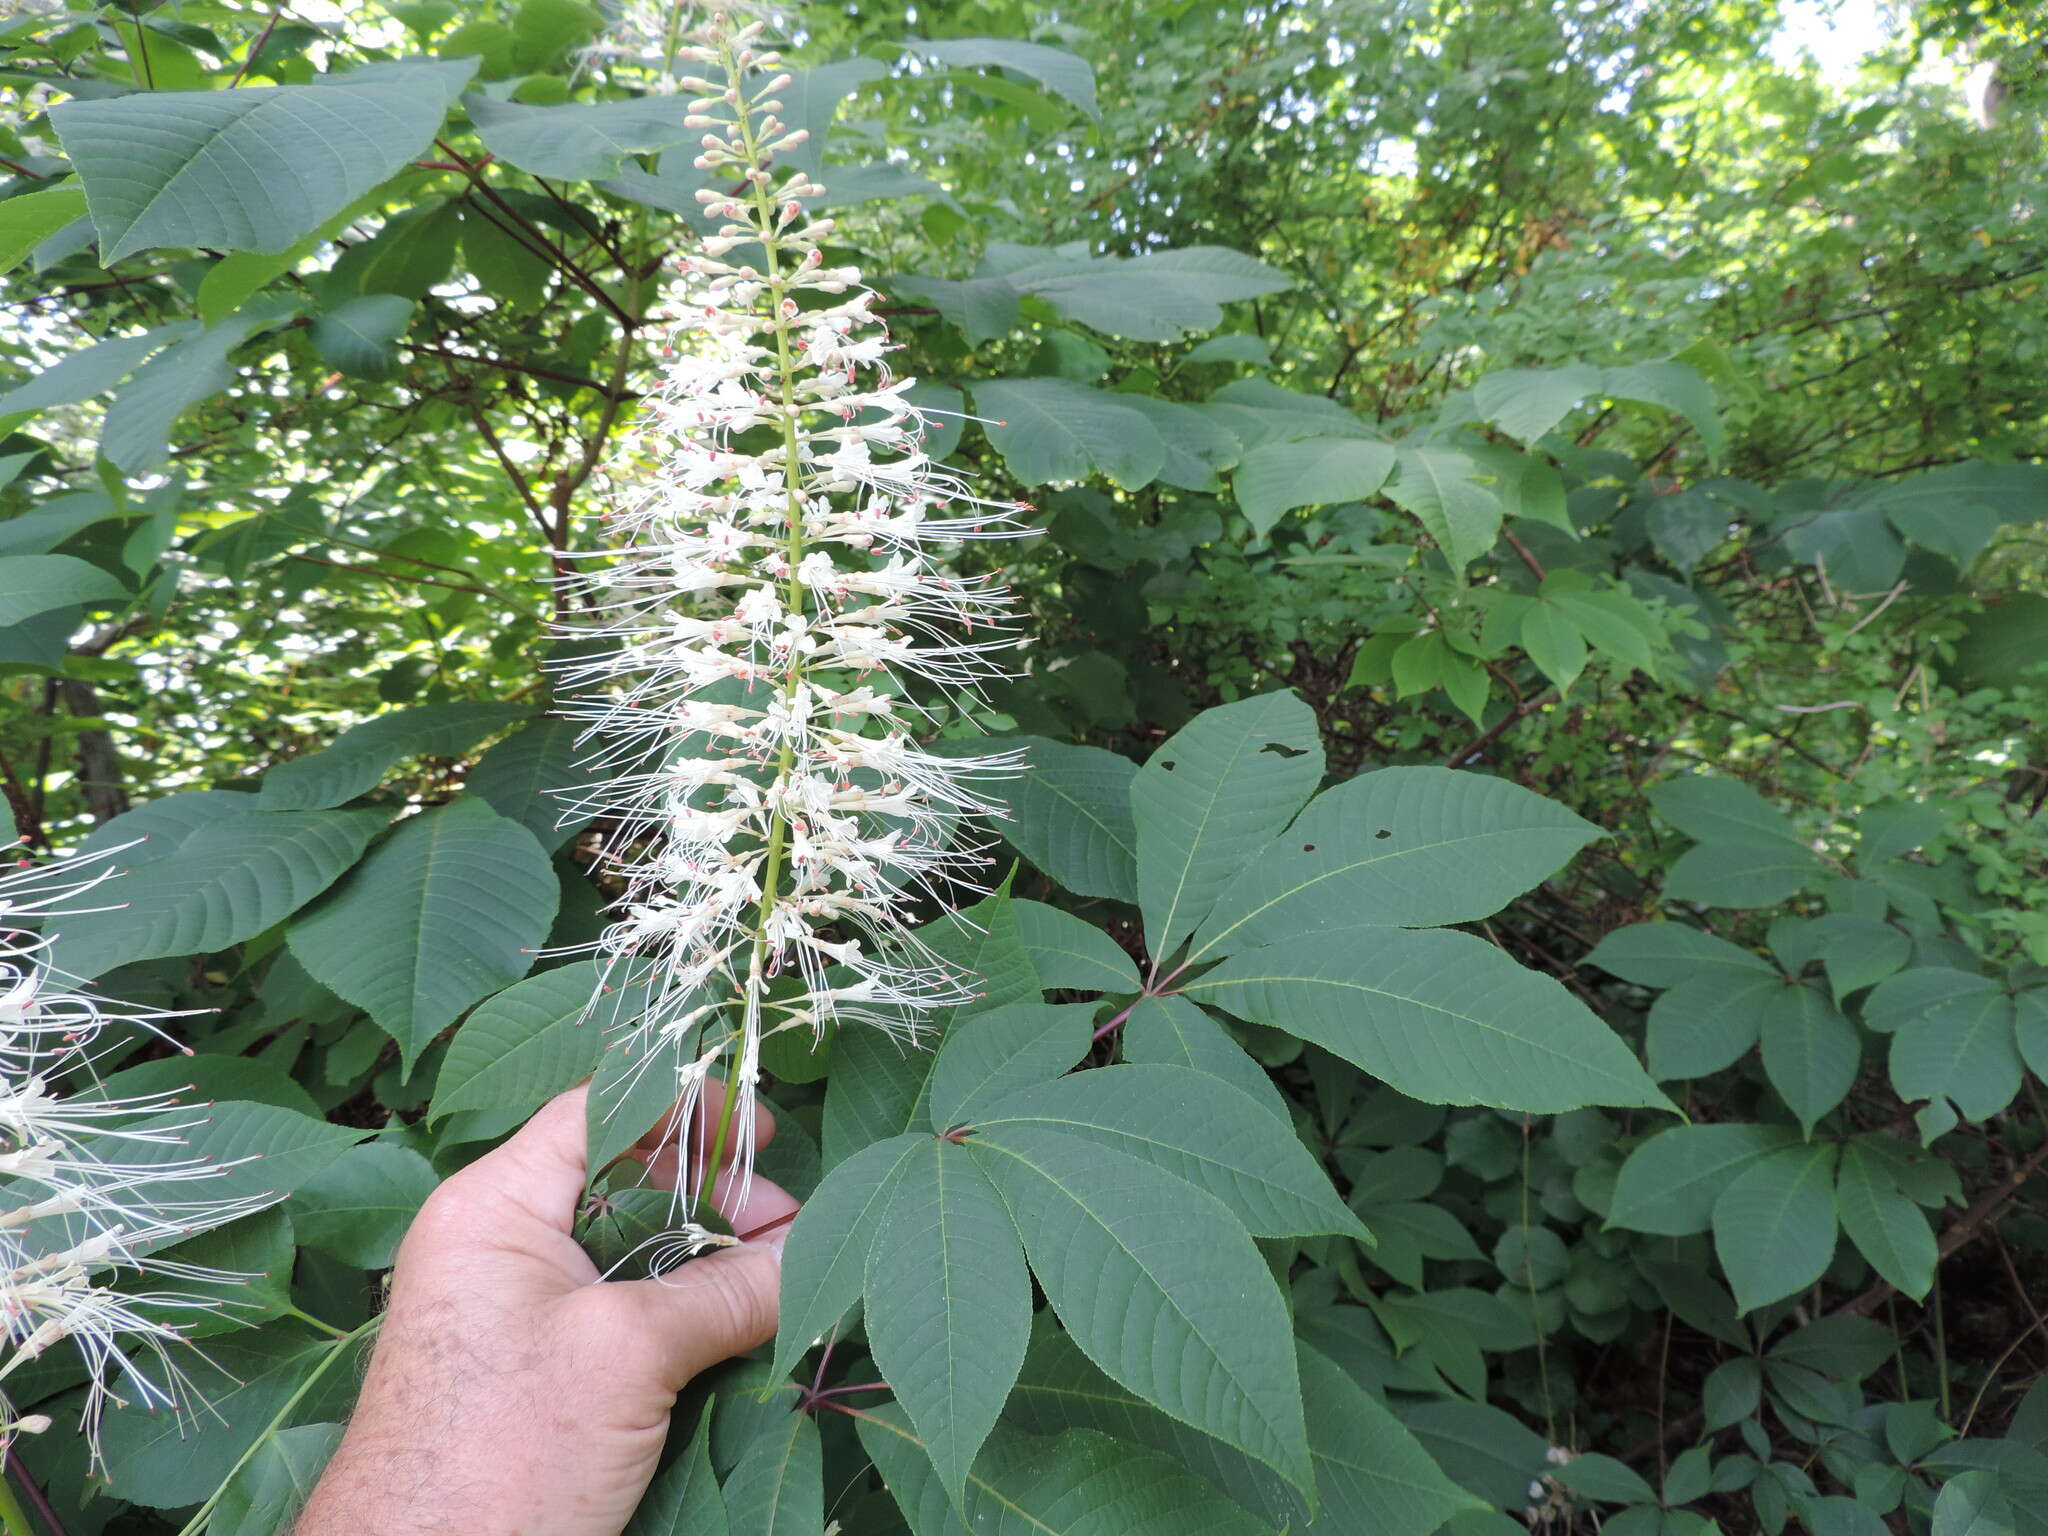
x,y
1811,1052
778,1487
1171,1031
996,1051
1068,951
683,1499
136,436
359,1206
1442,1016
30,219
1079,1483
1445,490
1209,798
251,169
948,1304
274,1484
575,141
533,776
1527,403
447,911
1063,73
153,1459
359,337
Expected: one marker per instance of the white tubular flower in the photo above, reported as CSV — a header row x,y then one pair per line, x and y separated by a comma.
x,y
775,602
89,1186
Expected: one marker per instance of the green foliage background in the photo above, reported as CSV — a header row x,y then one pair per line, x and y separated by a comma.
x,y
1547,494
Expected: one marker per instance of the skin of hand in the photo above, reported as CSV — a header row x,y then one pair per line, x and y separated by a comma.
x,y
511,1393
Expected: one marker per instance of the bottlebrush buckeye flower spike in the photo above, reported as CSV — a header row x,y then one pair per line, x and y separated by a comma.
x,y
90,1186
771,603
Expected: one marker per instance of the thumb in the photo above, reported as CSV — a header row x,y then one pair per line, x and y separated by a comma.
x,y
710,1309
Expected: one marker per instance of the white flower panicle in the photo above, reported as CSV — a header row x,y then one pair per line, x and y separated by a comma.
x,y
775,597
87,1190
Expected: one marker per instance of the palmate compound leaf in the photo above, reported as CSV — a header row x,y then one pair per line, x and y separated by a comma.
x,y
229,880
447,911
948,1304
1774,1225
1079,1483
1402,847
1159,1285
1209,799
251,169
1196,1127
1441,1016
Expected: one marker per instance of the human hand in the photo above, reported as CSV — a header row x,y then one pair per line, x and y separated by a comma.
x,y
511,1393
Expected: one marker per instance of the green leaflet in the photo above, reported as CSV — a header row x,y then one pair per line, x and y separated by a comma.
x,y
1774,1224
229,880
1403,847
1071,814
1810,1051
1210,798
1171,1031
824,1261
948,1306
1886,1226
1196,1127
359,757
1671,1182
33,584
990,1054
1442,1016
532,1041
359,1206
1129,1256
1067,951
778,1488
1275,478
251,169
1079,1483
447,911
683,1499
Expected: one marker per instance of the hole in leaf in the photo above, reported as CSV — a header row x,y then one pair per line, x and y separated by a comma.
x,y
1382,833
1284,750
1169,767
1308,847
